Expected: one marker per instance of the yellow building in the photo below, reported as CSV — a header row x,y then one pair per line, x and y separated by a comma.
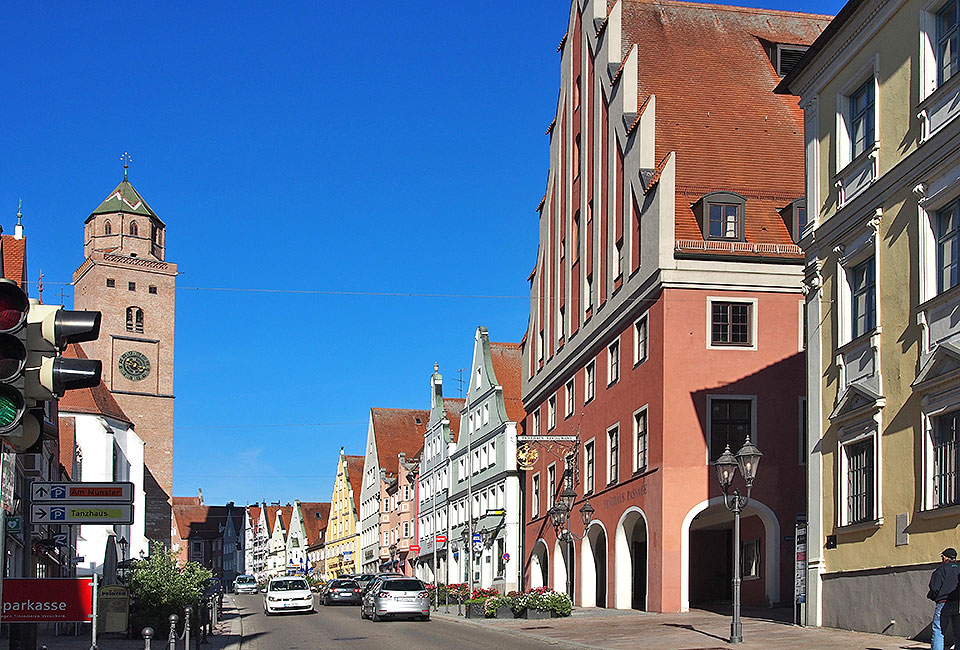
x,y
880,94
342,539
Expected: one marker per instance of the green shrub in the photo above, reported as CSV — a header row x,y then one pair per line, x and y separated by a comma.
x,y
160,587
494,603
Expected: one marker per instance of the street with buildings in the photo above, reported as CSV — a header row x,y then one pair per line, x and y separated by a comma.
x,y
734,413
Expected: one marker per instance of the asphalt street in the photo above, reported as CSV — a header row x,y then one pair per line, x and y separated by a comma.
x,y
340,627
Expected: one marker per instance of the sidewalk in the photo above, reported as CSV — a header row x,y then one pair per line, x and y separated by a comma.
x,y
612,629
226,636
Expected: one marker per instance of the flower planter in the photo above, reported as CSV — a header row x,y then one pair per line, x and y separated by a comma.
x,y
504,611
536,614
475,610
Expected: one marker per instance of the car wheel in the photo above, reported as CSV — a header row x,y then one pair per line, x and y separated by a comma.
x,y
363,614
425,617
374,617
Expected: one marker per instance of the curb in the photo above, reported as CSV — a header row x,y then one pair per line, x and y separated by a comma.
x,y
236,629
560,643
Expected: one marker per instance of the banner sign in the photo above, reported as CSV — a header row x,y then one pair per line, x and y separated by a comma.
x,y
800,564
47,600
546,438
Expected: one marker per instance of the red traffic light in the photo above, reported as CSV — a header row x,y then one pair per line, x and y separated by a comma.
x,y
13,306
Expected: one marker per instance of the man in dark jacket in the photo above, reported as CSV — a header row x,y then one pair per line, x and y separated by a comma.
x,y
945,592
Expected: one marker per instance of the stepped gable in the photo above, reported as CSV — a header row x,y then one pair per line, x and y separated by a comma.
x,y
398,430
93,401
314,520
715,105
354,469
507,360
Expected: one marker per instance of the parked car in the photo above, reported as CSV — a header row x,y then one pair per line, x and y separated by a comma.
x,y
213,589
245,584
396,597
364,579
342,591
287,594
377,576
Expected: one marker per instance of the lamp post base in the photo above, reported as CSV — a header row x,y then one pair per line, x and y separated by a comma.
x,y
736,633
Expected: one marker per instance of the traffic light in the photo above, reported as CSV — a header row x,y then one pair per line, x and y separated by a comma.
x,y
13,355
49,329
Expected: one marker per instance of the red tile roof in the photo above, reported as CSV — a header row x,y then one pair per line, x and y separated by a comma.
x,y
187,501
94,401
314,520
453,406
204,521
354,469
14,259
68,440
714,84
397,430
507,359
271,517
253,513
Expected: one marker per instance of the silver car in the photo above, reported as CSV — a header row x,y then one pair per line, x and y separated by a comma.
x,y
396,596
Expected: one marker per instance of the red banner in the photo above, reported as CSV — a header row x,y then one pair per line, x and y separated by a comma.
x,y
41,600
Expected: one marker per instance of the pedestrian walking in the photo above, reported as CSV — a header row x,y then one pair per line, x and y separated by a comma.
x,y
945,592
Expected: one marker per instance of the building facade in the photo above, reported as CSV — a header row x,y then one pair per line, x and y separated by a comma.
x,y
485,484
390,432
666,305
126,277
342,539
433,482
879,92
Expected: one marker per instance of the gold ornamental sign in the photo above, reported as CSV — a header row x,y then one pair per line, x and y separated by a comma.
x,y
527,456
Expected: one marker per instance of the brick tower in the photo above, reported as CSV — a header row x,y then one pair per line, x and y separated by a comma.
x,y
124,276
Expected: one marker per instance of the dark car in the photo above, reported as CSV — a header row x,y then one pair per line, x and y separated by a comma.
x,y
213,589
342,591
364,579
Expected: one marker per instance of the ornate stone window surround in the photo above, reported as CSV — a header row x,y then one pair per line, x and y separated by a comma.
x,y
940,395
854,174
849,434
939,102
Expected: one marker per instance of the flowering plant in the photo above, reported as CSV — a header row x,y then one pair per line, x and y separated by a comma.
x,y
496,602
545,599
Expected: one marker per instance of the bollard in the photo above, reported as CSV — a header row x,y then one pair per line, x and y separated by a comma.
x,y
204,619
216,612
173,631
186,627
147,635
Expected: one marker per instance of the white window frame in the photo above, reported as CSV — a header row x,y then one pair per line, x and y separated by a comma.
x,y
754,320
849,436
709,421
552,412
613,352
842,133
569,398
641,352
854,255
642,411
934,404
535,422
551,485
590,381
591,489
535,496
613,477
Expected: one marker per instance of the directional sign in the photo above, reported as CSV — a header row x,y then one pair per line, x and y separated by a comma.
x,y
46,492
546,438
476,538
82,514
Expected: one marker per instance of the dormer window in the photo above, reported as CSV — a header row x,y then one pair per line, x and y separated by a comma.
x,y
721,215
787,57
795,218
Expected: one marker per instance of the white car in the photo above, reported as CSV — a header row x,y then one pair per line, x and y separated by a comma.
x,y
287,594
245,584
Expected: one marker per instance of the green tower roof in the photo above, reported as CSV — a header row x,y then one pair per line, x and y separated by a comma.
x,y
127,200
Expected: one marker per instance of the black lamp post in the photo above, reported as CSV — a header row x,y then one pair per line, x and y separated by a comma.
x,y
123,548
746,460
560,518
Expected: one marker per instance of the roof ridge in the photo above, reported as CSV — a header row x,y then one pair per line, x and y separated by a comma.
x,y
760,11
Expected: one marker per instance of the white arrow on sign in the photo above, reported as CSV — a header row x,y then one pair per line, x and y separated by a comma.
x,y
82,514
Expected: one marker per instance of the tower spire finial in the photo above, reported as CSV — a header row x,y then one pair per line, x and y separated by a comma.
x,y
18,229
126,158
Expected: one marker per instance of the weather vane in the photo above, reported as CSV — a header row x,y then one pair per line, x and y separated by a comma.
x,y
126,159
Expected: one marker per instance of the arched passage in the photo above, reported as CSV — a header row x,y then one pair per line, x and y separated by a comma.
x,y
539,565
593,567
562,566
630,577
711,517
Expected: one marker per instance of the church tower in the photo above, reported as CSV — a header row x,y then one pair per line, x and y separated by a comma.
x,y
124,276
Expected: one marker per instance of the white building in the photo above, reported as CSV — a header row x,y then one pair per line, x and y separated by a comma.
x,y
107,450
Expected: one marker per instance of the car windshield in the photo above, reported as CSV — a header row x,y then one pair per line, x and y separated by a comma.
x,y
245,579
287,585
402,585
345,584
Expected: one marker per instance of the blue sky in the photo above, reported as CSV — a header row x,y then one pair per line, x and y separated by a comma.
x,y
296,155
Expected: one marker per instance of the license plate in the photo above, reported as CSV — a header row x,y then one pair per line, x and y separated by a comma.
x,y
404,599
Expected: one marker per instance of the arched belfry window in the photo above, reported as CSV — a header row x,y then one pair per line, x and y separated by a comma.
x,y
107,228
134,319
133,228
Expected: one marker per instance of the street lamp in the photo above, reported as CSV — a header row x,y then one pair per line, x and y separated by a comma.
x,y
746,460
560,517
123,548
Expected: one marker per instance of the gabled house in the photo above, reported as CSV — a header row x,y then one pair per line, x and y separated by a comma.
x,y
207,535
255,540
279,520
391,432
342,538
